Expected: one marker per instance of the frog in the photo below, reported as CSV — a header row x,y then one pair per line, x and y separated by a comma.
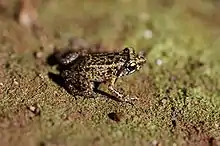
x,y
82,73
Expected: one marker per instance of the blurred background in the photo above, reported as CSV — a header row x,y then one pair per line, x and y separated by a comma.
x,y
179,88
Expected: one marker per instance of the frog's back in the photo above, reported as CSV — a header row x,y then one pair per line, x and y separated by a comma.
x,y
99,66
104,59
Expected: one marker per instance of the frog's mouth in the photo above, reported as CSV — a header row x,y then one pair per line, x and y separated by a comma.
x,y
130,70
127,71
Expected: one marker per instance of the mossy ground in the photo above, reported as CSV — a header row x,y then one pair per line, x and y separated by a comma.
x,y
178,89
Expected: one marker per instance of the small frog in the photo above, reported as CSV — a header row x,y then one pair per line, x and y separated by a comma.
x,y
83,73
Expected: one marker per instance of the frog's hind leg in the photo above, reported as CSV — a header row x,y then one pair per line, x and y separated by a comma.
x,y
84,90
96,86
71,89
89,89
67,58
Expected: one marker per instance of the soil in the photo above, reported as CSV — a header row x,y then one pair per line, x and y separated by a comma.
x,y
178,89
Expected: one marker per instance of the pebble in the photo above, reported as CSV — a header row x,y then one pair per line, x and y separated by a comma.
x,y
39,54
15,82
148,34
155,142
159,62
34,109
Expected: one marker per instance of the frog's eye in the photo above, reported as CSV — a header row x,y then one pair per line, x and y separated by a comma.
x,y
128,50
133,64
132,67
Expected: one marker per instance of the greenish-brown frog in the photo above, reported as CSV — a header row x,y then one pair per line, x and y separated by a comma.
x,y
82,74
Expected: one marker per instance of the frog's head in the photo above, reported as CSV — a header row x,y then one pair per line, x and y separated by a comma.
x,y
134,61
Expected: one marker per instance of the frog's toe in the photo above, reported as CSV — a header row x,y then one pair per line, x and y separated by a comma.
x,y
134,98
90,95
129,99
94,95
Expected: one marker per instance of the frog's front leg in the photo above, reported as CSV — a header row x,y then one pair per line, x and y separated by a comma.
x,y
122,97
112,90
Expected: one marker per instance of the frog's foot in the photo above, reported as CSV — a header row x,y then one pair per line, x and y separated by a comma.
x,y
121,97
89,93
129,99
115,92
92,95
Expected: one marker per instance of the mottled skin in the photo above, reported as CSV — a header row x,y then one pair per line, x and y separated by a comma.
x,y
82,74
